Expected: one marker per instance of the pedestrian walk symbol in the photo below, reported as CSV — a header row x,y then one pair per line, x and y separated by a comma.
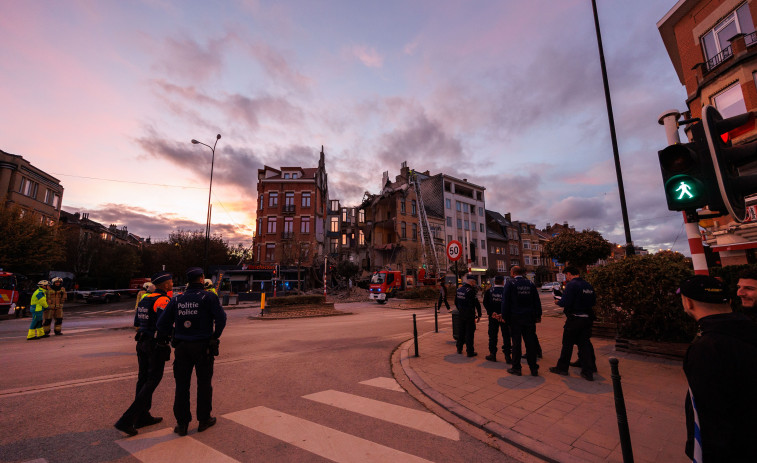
x,y
685,190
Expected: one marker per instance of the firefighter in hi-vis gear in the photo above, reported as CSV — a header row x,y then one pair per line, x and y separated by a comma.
x,y
38,306
56,296
208,285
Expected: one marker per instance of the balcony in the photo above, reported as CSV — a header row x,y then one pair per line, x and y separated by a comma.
x,y
715,61
288,208
287,235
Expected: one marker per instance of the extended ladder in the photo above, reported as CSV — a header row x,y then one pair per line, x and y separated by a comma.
x,y
427,239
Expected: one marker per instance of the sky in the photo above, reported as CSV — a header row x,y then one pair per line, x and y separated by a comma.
x,y
106,95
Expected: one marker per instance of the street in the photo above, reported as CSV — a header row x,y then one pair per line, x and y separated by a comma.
x,y
316,389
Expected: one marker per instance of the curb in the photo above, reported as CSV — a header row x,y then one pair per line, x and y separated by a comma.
x,y
524,443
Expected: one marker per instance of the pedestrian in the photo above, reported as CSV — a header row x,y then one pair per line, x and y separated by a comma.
x,y
521,310
577,302
147,288
442,296
152,355
56,296
469,314
721,369
37,308
747,292
192,316
493,306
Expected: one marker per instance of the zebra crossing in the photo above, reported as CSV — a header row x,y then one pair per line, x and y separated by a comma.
x,y
164,446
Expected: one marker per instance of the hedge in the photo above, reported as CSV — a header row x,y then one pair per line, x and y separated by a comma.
x,y
421,292
314,299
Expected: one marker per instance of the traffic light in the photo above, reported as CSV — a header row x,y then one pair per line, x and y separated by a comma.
x,y
727,160
688,175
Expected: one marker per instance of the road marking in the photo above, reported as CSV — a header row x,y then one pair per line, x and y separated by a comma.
x,y
165,446
408,417
315,438
385,383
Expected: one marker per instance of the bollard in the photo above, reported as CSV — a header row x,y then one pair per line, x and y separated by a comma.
x,y
436,320
620,411
262,303
415,335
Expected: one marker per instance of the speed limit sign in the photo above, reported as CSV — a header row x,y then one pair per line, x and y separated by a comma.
x,y
454,250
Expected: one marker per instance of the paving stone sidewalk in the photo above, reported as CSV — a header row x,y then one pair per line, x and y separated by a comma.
x,y
565,419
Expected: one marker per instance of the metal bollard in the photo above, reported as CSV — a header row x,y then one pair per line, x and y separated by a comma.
x,y
436,319
415,335
620,411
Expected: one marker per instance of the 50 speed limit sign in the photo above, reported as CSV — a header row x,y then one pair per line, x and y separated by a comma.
x,y
454,250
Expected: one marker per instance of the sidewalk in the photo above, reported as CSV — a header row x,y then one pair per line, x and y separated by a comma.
x,y
565,419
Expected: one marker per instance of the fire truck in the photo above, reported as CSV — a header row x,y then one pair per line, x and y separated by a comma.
x,y
8,290
385,284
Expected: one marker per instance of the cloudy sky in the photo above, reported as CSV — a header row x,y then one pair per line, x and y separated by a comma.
x,y
106,96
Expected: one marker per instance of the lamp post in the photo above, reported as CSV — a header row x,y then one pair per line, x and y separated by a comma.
x,y
210,190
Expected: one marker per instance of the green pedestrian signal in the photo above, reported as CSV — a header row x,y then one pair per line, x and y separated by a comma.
x,y
684,191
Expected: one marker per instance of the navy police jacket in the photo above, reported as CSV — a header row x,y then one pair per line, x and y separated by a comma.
x,y
148,310
467,302
493,299
193,314
520,301
578,298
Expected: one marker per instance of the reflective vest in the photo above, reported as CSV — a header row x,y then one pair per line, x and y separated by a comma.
x,y
39,300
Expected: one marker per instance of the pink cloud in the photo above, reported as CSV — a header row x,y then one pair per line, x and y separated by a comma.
x,y
367,55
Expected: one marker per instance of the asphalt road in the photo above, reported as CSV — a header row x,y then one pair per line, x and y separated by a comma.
x,y
317,389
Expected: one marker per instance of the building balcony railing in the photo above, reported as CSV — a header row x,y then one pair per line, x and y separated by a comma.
x,y
287,235
715,61
287,208
750,39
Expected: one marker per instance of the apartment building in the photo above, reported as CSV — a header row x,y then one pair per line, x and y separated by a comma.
x,y
29,188
500,234
291,216
530,248
465,221
712,46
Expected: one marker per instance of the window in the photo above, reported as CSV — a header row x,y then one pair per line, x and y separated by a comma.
x,y
289,199
270,252
449,238
413,207
472,209
481,211
344,239
334,224
458,205
501,265
402,206
333,245
449,221
527,260
535,260
52,198
715,42
271,224
273,199
286,176
515,262
28,188
305,225
448,203
466,225
260,201
483,261
483,244
306,199
415,231
288,225
403,230
259,231
361,216
334,205
479,196
473,226
730,102
294,175
526,244
481,227
361,238
460,223
344,214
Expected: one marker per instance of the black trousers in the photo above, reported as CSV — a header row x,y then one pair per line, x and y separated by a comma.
x,y
527,333
465,336
439,302
494,329
577,330
151,365
188,356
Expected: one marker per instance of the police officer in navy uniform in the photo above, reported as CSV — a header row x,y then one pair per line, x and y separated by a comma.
x,y
521,310
470,313
151,356
192,316
493,304
577,302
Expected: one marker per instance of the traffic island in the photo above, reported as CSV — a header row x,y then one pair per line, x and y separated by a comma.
x,y
297,307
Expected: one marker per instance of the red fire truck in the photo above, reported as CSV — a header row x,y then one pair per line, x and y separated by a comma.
x,y
8,290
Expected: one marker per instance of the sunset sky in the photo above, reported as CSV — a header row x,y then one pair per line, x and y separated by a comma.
x,y
106,96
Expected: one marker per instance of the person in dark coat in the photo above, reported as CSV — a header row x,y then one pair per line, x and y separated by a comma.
x,y
493,306
721,369
442,296
470,313
521,310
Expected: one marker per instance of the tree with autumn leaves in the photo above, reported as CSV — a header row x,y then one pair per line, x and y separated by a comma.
x,y
578,248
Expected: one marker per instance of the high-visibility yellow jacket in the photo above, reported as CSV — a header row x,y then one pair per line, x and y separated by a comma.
x,y
39,300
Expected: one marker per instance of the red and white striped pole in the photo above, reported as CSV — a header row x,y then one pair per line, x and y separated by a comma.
x,y
669,119
325,263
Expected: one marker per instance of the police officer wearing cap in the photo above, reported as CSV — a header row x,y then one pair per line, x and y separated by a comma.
x,y
152,355
721,371
493,305
470,313
521,310
197,320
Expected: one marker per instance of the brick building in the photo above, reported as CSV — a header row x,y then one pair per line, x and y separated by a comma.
x,y
30,188
291,216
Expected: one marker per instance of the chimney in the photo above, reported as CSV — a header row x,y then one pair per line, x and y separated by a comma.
x,y
508,217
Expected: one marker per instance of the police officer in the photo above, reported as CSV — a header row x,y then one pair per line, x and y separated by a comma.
x,y
470,313
521,310
577,302
152,355
56,296
192,316
37,307
493,305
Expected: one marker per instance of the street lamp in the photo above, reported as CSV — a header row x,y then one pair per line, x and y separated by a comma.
x,y
210,189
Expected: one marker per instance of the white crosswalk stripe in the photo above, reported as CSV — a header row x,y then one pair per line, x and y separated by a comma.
x,y
167,447
408,417
385,383
315,438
